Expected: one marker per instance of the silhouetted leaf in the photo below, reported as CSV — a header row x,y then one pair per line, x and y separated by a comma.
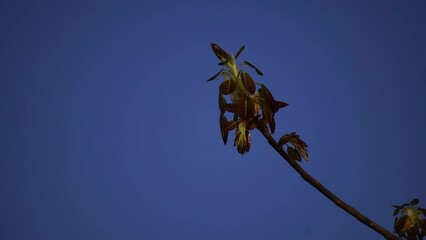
x,y
215,76
294,154
396,211
239,51
400,222
414,201
254,67
422,210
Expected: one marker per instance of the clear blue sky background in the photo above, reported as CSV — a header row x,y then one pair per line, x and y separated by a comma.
x,y
110,131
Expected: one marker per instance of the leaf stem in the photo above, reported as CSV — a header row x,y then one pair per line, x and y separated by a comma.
x,y
327,193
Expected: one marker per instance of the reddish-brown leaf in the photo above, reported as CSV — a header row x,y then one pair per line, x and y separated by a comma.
x,y
246,108
220,53
227,86
248,82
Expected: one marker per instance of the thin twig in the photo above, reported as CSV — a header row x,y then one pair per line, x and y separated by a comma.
x,y
316,184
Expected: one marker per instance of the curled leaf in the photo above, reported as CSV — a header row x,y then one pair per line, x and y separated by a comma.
x,y
285,139
295,140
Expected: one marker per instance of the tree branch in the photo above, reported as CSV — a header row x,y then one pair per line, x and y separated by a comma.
x,y
316,184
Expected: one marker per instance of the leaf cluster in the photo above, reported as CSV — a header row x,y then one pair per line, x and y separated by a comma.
x,y
410,220
251,108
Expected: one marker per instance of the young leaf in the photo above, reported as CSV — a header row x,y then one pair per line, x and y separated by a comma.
x,y
222,103
400,223
227,86
281,104
239,51
294,154
414,201
248,82
422,210
396,211
225,127
246,108
284,139
215,76
223,63
223,130
254,67
304,153
220,53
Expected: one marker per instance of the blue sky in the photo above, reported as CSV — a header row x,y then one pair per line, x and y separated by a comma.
x,y
110,131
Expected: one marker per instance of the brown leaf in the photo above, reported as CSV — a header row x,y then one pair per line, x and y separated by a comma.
x,y
220,53
225,127
281,104
248,82
285,139
246,108
293,154
227,86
